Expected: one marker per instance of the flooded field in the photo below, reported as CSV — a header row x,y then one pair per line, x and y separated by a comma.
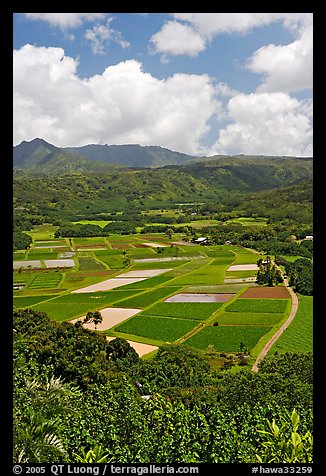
x,y
192,297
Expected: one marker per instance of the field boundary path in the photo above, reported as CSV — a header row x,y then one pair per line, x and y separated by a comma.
x,y
277,334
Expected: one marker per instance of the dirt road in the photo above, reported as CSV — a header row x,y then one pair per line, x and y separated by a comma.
x,y
277,334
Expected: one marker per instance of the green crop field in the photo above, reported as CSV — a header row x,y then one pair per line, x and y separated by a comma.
x,y
298,337
158,264
249,318
220,288
64,311
45,280
257,305
148,283
219,253
185,310
90,264
157,328
209,275
147,298
114,262
34,254
26,301
227,338
100,299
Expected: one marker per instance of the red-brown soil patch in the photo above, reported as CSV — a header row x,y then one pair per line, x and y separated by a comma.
x,y
90,246
269,292
119,246
139,245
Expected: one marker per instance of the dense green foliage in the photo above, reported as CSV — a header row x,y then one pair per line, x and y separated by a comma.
x,y
194,414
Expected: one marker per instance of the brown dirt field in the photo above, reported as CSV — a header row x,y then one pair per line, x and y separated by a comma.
x,y
91,246
275,292
111,317
119,246
140,348
139,245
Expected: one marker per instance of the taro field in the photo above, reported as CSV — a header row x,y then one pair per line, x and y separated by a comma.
x,y
176,292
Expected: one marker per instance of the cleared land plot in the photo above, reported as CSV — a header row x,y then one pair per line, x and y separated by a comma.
x,y
120,246
220,288
147,298
227,338
267,292
145,273
249,318
39,247
159,260
112,316
157,328
298,337
154,245
141,349
199,297
243,267
240,280
27,264
26,301
59,263
184,310
111,283
258,305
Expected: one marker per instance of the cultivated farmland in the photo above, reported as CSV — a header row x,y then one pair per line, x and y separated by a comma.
x,y
178,299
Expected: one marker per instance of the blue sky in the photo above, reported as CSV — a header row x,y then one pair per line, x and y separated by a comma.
x,y
203,84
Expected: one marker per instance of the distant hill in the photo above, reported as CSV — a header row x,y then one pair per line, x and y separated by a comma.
x,y
232,173
46,157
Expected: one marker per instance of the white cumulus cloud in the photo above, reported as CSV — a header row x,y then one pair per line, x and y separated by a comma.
x,y
177,39
267,124
285,67
124,104
101,35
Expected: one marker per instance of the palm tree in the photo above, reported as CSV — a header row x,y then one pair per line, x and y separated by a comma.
x,y
36,434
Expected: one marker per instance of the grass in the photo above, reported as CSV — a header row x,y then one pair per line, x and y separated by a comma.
x,y
147,298
69,306
258,305
42,255
209,275
157,265
148,283
157,328
45,280
42,232
101,223
240,274
219,253
298,337
27,301
101,298
249,318
90,264
184,310
64,311
114,262
227,338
